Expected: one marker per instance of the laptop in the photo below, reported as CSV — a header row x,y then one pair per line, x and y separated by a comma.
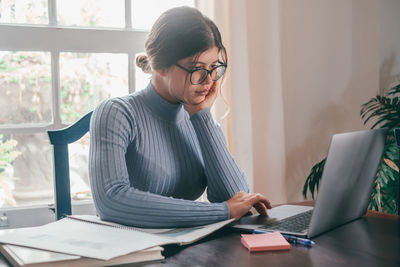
x,y
344,192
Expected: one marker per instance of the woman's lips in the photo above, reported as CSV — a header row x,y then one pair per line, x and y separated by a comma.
x,y
202,92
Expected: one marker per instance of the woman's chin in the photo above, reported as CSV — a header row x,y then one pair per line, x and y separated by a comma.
x,y
197,100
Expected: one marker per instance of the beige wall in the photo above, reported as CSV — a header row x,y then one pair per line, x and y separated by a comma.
x,y
330,67
328,61
389,42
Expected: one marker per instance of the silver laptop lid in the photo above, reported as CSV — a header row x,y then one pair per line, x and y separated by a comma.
x,y
347,180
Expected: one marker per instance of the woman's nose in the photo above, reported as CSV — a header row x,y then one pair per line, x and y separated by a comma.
x,y
208,79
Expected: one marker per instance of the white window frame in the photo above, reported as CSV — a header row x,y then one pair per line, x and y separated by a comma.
x,y
56,39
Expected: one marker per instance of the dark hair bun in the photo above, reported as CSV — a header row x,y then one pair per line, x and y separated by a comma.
x,y
142,62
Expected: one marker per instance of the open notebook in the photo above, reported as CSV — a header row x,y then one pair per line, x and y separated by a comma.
x,y
88,236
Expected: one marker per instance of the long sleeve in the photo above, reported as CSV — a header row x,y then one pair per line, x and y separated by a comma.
x,y
114,131
224,176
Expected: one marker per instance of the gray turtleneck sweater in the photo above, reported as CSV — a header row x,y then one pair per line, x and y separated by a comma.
x,y
149,161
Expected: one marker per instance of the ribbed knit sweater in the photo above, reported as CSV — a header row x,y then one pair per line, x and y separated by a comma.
x,y
149,160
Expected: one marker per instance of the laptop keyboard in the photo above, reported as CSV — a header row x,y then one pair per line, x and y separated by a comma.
x,y
296,224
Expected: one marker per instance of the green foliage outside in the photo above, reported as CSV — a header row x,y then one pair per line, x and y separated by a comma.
x,y
80,88
7,155
26,99
26,95
385,110
25,87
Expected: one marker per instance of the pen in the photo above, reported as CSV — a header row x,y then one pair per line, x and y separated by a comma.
x,y
298,240
290,238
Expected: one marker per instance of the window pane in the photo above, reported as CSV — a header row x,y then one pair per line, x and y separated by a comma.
x,y
86,79
26,177
24,11
26,170
101,13
141,79
25,87
78,153
145,13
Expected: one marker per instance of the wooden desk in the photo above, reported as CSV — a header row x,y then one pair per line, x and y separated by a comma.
x,y
373,240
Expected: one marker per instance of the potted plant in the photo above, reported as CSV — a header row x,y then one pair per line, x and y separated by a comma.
x,y
385,110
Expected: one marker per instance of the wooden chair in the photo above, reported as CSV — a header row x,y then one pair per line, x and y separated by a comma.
x,y
60,140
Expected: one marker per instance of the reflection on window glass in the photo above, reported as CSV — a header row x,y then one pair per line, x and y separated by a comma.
x,y
26,174
101,13
86,79
141,79
24,11
145,13
26,170
25,87
78,153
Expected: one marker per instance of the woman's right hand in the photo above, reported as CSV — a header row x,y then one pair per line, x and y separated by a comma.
x,y
241,203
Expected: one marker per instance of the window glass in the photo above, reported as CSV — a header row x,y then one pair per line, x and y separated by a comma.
x,y
24,11
145,13
78,153
86,79
25,87
26,170
100,13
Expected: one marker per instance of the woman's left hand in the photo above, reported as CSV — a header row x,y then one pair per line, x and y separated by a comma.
x,y
206,103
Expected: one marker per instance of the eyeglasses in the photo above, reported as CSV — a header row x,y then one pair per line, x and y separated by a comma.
x,y
199,75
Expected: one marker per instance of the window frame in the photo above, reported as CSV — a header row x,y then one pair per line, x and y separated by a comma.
x,y
55,39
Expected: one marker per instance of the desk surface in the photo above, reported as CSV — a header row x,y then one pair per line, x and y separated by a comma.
x,y
373,240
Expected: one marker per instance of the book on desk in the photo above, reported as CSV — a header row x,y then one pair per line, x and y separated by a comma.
x,y
30,257
89,237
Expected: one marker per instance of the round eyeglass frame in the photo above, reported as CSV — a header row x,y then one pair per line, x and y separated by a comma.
x,y
203,69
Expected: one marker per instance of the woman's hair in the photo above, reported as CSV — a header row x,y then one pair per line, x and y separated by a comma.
x,y
179,33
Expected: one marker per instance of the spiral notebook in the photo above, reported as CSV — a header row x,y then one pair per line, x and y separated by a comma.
x,y
31,257
90,237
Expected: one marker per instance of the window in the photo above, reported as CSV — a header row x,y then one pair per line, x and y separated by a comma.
x,y
24,11
145,13
58,60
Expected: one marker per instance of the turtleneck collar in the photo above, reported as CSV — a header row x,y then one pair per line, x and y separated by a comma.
x,y
164,109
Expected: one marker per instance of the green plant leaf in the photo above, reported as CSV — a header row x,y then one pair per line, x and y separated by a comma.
x,y
312,181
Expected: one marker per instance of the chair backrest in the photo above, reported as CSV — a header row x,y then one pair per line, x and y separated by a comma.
x,y
60,140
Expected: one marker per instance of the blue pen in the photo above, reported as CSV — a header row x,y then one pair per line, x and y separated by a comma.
x,y
298,240
290,238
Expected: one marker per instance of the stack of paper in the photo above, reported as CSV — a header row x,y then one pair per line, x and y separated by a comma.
x,y
30,257
95,241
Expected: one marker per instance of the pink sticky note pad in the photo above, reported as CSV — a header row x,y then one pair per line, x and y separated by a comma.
x,y
265,242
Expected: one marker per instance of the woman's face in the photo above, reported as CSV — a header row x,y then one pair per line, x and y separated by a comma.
x,y
178,80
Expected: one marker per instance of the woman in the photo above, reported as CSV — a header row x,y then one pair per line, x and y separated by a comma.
x,y
152,153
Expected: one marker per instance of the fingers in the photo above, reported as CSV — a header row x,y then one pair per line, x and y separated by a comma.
x,y
256,197
260,207
241,203
249,213
253,199
212,94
